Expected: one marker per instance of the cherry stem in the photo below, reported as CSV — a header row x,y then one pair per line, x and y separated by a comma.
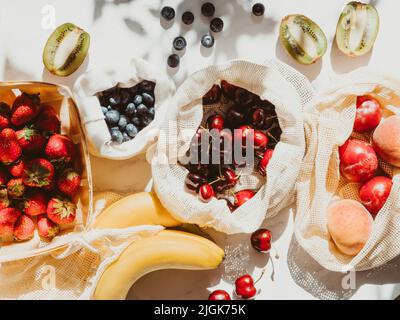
x,y
272,136
275,251
215,181
259,278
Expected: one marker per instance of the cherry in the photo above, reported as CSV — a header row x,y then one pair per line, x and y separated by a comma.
x,y
368,114
235,117
230,176
375,192
243,196
262,166
219,295
244,287
242,133
228,90
194,181
243,97
261,240
213,95
257,117
260,140
206,192
216,122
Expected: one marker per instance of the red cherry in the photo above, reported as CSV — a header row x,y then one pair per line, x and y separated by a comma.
x,y
242,197
261,240
243,133
206,192
262,167
216,122
260,140
219,295
368,114
244,287
230,176
375,192
358,160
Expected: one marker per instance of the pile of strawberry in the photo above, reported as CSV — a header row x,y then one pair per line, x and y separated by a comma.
x,y
37,178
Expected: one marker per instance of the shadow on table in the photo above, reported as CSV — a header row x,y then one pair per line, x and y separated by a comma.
x,y
327,285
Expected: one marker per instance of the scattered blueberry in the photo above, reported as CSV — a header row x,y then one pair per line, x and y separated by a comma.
x,y
208,9
137,100
112,117
179,43
117,136
130,109
142,110
187,17
115,100
258,9
126,137
104,110
131,130
136,121
168,13
123,121
207,40
147,86
173,60
152,112
148,99
216,25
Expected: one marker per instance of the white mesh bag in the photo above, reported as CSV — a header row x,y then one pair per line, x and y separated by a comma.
x,y
92,118
288,90
328,124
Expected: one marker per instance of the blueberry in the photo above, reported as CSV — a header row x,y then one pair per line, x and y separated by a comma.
x,y
216,25
146,120
168,13
173,60
148,99
115,100
258,9
136,121
207,40
147,86
123,121
187,17
126,137
208,9
179,43
112,117
142,110
152,112
130,109
137,100
131,130
104,110
116,136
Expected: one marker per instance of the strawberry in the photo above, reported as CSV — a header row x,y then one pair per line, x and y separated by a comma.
x,y
60,148
38,173
8,133
17,169
3,177
68,182
5,113
8,217
16,188
51,187
47,228
25,108
31,140
4,201
35,203
61,211
24,228
10,151
48,120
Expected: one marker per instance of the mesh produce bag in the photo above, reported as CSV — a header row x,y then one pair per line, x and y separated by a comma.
x,y
284,87
328,124
71,272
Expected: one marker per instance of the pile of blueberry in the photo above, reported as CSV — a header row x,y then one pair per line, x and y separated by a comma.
x,y
128,110
207,40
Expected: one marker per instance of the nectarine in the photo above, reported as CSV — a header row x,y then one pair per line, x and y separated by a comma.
x,y
350,226
375,192
386,140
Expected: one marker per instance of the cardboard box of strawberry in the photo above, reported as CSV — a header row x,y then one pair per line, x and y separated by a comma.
x,y
38,181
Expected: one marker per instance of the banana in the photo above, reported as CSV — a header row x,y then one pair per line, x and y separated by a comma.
x,y
142,208
167,250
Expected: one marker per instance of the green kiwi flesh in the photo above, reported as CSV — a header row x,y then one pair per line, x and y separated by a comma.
x,y
66,49
357,29
302,39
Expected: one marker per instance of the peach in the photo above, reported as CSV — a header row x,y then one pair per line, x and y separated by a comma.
x,y
350,226
386,140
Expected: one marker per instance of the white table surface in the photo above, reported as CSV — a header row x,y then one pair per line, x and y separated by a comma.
x,y
121,29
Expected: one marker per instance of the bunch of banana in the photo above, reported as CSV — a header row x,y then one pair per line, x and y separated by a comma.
x,y
169,249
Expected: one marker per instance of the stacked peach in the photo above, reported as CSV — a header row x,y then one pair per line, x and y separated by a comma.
x,y
349,221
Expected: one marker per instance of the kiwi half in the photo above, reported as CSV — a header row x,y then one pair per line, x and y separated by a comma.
x,y
357,29
66,49
302,38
